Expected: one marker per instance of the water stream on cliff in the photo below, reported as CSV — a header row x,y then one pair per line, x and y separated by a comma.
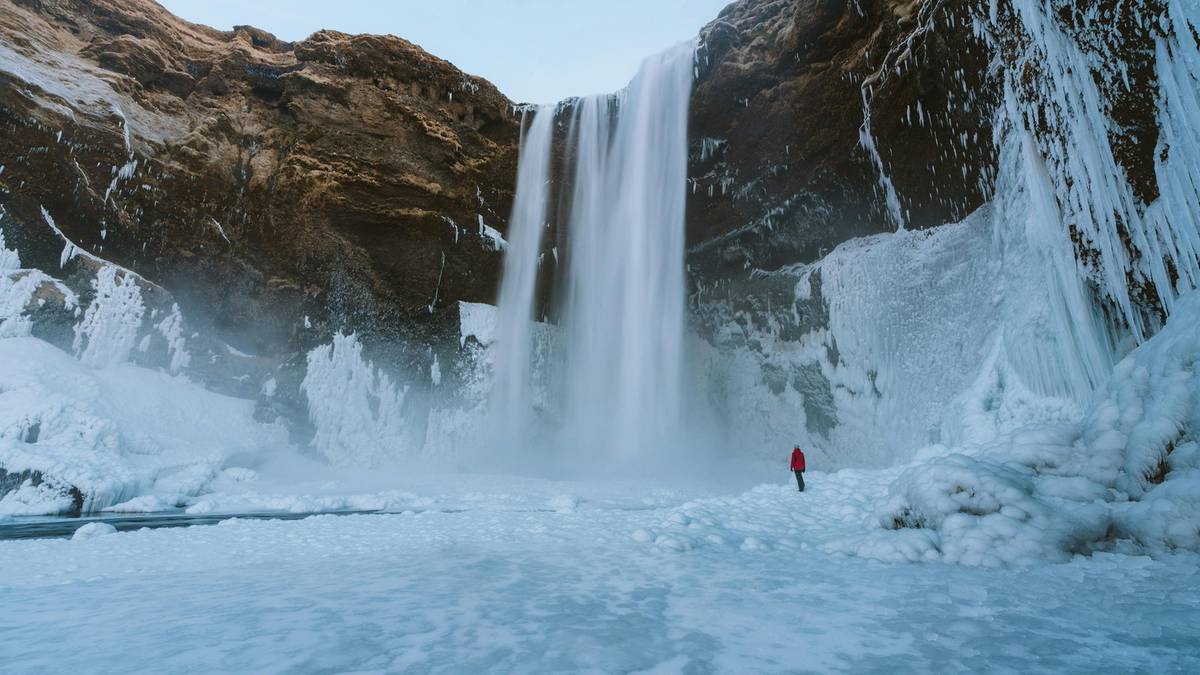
x,y
623,287
512,393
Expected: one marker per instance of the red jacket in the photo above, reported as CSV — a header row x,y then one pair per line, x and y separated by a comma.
x,y
797,460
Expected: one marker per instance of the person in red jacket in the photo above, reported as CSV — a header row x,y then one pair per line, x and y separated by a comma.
x,y
798,467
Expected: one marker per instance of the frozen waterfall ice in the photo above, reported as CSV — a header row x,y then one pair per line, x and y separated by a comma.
x,y
623,285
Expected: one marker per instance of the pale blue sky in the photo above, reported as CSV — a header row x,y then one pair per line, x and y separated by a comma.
x,y
536,51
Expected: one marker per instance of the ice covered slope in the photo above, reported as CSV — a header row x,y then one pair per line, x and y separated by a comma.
x,y
1127,476
891,343
82,427
76,437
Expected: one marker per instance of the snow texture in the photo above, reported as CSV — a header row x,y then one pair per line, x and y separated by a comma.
x,y
635,578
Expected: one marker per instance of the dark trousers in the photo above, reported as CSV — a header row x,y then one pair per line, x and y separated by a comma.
x,y
800,480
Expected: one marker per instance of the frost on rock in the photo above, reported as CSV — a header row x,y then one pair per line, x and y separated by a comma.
x,y
477,320
356,408
171,328
491,237
18,290
109,329
35,497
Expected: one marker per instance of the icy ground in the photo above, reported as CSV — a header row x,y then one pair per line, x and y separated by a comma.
x,y
522,575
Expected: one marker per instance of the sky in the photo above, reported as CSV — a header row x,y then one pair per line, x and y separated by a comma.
x,y
535,51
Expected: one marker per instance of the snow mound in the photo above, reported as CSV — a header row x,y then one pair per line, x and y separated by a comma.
x,y
93,530
563,503
981,513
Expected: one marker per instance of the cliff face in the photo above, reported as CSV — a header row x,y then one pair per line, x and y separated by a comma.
x,y
280,191
816,121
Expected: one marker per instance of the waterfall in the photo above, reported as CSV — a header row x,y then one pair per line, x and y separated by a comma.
x,y
625,277
512,394
623,286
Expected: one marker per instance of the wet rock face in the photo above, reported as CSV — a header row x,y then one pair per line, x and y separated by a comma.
x,y
780,172
279,191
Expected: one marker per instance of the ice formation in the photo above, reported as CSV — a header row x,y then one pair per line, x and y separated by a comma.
x,y
356,408
18,288
993,357
1054,88
89,432
109,329
1127,476
112,432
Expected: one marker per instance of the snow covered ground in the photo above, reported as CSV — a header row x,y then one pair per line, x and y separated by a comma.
x,y
526,575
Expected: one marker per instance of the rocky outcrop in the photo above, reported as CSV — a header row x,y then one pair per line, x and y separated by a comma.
x,y
280,192
816,121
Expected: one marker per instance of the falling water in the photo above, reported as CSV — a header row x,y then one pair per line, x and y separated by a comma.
x,y
512,393
623,287
625,277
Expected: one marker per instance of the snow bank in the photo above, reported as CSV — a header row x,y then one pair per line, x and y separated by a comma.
x,y
95,431
984,513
